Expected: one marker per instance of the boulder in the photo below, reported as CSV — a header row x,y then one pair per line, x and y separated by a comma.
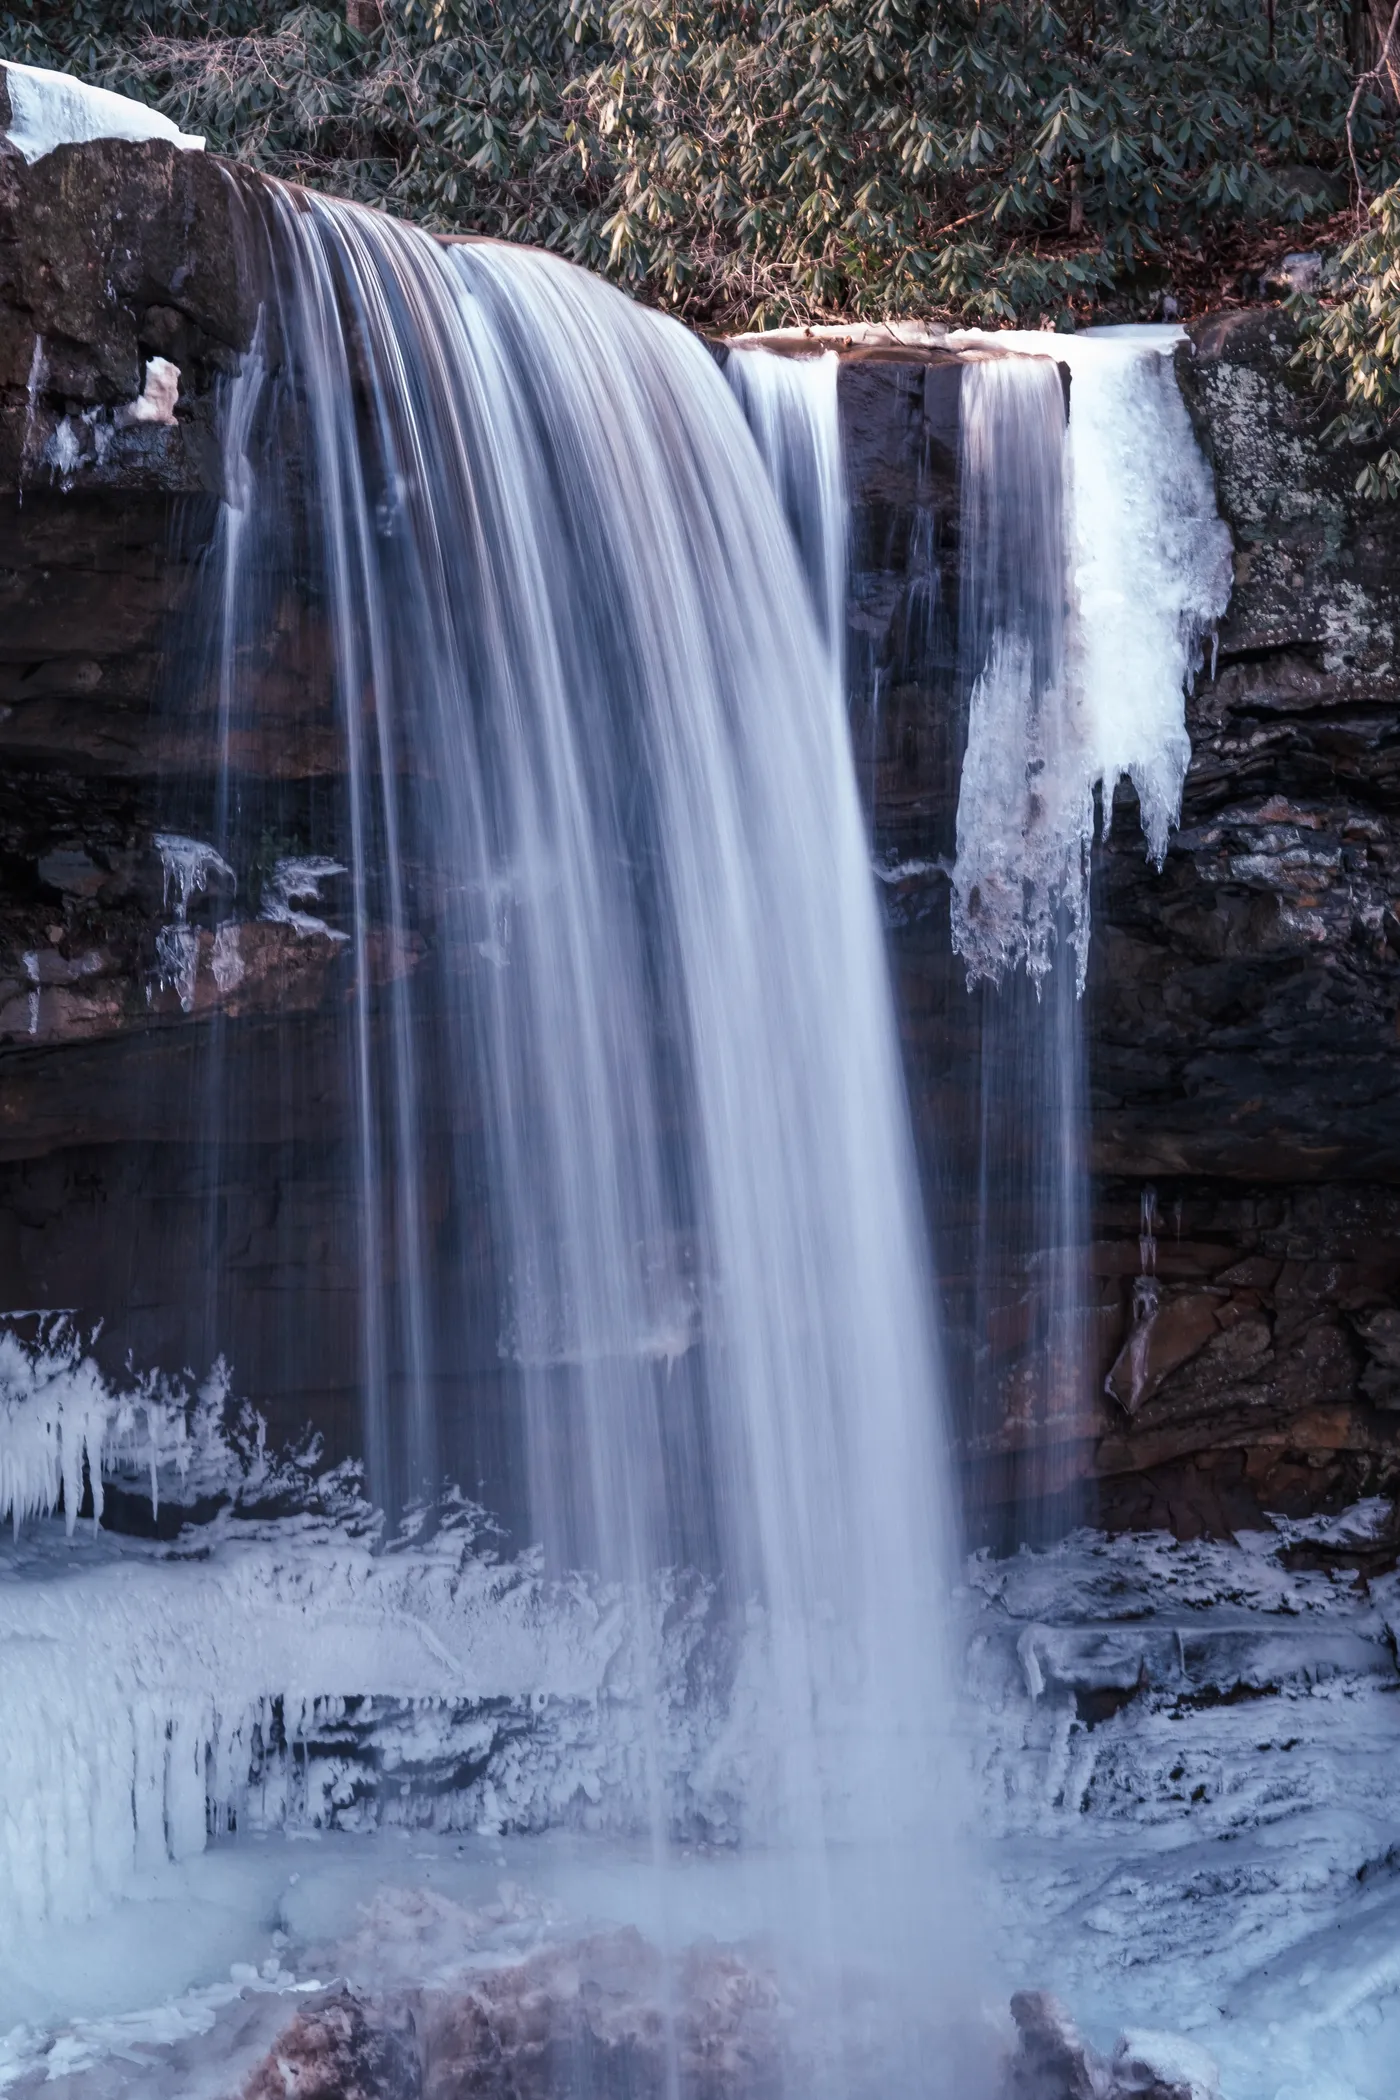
x,y
1053,2061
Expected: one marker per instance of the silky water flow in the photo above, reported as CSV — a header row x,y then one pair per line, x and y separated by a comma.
x,y
553,804
622,1105
1092,564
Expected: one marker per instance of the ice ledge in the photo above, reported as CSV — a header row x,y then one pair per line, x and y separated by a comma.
x,y
50,109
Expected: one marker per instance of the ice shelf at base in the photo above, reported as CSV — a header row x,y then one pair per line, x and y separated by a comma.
x,y
1187,1767
1185,1759
49,109
287,1674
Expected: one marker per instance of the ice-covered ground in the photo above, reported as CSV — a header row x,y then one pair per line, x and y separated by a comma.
x,y
1190,1766
1187,1761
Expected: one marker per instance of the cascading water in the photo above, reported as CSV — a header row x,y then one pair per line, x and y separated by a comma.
x,y
575,856
1092,565
620,1050
1018,897
790,405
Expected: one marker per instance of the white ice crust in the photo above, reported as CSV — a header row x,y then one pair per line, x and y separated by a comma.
x,y
1149,571
49,109
295,883
1187,1806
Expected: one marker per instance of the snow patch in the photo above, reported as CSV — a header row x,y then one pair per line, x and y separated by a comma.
x,y
1165,2067
156,402
49,109
84,439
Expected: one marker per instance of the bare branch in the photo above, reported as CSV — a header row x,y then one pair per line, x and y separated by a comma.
x,y
1384,68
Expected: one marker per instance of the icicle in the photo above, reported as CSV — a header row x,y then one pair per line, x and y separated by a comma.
x,y
296,882
1147,574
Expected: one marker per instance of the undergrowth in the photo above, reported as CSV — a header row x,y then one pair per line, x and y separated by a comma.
x,y
756,162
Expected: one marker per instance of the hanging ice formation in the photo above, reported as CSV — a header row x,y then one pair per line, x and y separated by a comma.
x,y
1091,563
1106,564
64,1432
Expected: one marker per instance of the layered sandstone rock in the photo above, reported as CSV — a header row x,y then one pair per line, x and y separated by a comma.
x,y
1244,1038
1242,1004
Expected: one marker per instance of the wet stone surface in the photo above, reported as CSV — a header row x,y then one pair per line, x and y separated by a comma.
x,y
1243,1001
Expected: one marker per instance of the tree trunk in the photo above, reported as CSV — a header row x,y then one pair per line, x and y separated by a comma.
x,y
1373,40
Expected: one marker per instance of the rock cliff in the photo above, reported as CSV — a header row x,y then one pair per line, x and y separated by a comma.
x,y
1241,1010
1242,1004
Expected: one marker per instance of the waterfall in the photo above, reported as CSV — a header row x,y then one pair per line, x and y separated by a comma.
x,y
791,407
622,1105
1092,565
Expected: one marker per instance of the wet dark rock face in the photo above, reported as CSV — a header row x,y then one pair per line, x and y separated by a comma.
x,y
1242,1005
112,255
1244,1023
1243,1008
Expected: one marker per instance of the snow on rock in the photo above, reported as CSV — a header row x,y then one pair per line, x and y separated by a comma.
x,y
49,109
156,402
84,439
1053,2061
1163,2067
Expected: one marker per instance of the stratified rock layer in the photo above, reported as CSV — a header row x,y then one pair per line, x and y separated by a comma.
x,y
1242,1003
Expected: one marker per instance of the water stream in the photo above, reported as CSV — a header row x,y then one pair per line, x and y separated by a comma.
x,y
1092,565
619,1051
545,608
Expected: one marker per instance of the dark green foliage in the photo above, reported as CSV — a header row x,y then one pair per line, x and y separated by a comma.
x,y
456,122
749,162
1352,343
995,159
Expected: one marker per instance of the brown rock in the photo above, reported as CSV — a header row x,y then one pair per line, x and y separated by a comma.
x,y
339,2049
1161,1344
